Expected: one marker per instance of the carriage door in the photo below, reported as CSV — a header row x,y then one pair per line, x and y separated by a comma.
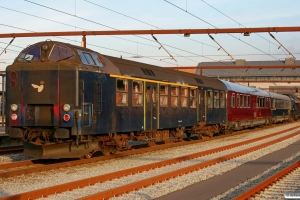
x,y
201,102
151,118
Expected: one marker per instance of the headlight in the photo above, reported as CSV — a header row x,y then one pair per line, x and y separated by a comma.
x,y
14,107
67,107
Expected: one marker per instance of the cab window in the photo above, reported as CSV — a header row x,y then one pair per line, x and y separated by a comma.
x,y
122,92
60,52
31,54
89,58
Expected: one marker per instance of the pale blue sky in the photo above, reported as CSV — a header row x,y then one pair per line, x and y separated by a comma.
x,y
84,14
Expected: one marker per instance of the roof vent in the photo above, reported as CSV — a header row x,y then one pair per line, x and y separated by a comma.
x,y
290,61
148,72
240,62
198,80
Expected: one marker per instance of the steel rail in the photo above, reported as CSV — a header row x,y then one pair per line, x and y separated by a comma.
x,y
6,174
11,173
102,178
155,32
11,149
180,172
268,182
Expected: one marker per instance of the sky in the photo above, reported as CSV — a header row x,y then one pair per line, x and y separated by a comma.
x,y
23,16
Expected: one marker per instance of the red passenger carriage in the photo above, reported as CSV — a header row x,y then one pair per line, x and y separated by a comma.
x,y
247,106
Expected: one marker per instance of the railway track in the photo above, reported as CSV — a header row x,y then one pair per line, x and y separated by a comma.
x,y
11,149
284,183
152,180
33,166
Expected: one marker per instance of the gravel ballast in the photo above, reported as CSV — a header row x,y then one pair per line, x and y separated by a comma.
x,y
16,185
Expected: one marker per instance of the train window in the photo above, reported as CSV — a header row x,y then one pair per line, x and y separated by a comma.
x,y
154,96
184,97
89,58
31,54
60,52
148,93
82,57
209,99
257,102
241,101
249,101
163,95
137,93
193,98
174,96
232,100
245,101
222,99
121,94
238,100
273,103
216,99
97,60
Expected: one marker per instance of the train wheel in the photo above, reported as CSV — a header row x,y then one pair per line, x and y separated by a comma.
x,y
109,150
89,155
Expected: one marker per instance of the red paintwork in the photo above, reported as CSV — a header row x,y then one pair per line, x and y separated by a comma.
x,y
239,114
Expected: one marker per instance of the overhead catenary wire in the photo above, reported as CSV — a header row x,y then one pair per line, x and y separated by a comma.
x,y
217,28
106,26
89,44
141,21
237,22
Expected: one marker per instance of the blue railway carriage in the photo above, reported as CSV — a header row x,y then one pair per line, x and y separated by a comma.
x,y
295,106
66,101
280,107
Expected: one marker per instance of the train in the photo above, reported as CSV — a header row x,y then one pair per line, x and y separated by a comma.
x,y
67,101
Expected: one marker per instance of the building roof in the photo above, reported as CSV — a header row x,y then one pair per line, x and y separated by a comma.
x,y
259,68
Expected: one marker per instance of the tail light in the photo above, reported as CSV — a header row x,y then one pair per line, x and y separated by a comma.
x,y
66,117
14,117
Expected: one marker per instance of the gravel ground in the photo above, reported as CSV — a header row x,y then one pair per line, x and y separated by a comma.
x,y
9,158
265,175
16,185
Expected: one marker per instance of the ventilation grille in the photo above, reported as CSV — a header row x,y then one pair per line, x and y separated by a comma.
x,y
198,80
148,72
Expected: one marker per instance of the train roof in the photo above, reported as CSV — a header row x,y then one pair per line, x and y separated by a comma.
x,y
279,96
244,89
142,70
128,68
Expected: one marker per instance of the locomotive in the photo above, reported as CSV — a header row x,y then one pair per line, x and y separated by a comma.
x,y
66,101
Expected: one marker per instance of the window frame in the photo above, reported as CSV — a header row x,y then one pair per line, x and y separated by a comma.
x,y
184,95
174,96
216,99
120,93
138,94
164,98
222,99
209,99
193,98
92,56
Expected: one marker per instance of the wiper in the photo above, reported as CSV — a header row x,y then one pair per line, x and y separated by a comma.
x,y
65,58
25,59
